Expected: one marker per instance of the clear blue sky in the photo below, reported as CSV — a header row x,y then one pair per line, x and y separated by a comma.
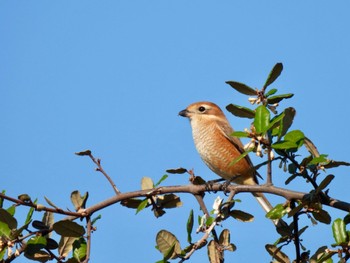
x,y
111,76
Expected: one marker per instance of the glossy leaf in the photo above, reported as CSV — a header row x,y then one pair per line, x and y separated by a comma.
x,y
8,219
278,98
30,213
274,73
296,136
289,114
262,119
165,176
325,182
284,145
189,227
270,92
240,111
339,231
35,244
241,216
68,228
4,229
242,156
142,205
333,164
239,134
322,216
165,240
242,88
319,159
79,249
277,212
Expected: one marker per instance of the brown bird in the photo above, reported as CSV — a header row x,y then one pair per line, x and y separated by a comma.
x,y
212,137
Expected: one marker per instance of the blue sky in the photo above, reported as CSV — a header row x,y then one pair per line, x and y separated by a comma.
x,y
111,76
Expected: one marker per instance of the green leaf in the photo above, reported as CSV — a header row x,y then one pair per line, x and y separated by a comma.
x,y
165,240
4,229
278,98
277,212
243,155
142,205
262,119
296,136
79,249
339,231
30,213
177,171
239,134
8,219
325,183
11,210
35,244
270,92
240,111
241,216
276,120
68,228
50,203
242,88
322,216
275,72
189,227
319,159
333,164
289,114
165,176
284,145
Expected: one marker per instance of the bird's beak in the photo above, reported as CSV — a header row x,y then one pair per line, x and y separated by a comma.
x,y
184,113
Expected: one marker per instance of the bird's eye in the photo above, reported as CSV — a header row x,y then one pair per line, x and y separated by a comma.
x,y
201,109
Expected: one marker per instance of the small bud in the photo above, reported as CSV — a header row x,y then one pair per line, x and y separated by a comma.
x,y
252,100
258,151
272,155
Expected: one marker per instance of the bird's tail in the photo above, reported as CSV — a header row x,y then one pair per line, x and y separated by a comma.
x,y
265,204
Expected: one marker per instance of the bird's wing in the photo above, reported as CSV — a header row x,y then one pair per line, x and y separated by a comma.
x,y
227,131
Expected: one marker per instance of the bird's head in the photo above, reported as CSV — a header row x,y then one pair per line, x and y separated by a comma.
x,y
203,111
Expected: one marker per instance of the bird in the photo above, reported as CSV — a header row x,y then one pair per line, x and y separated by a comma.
x,y
211,133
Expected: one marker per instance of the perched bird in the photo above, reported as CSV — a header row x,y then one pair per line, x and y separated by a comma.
x,y
212,137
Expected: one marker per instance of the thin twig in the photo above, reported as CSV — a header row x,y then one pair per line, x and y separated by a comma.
x,y
199,242
100,169
88,238
296,233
